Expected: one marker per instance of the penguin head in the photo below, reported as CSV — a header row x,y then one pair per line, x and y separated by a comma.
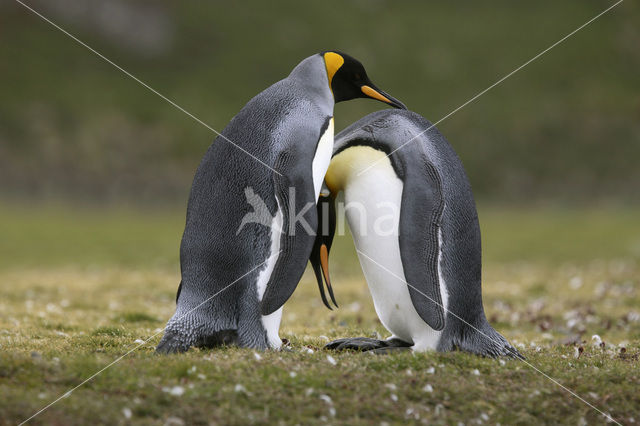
x,y
348,80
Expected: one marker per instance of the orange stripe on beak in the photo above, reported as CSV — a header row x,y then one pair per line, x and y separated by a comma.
x,y
324,263
372,93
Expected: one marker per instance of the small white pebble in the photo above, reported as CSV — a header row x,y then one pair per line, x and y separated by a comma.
x,y
42,395
175,391
331,360
292,374
326,398
427,388
325,338
139,341
257,356
475,372
239,388
575,283
596,339
394,397
576,352
201,376
391,386
332,411
485,417
307,350
309,391
126,412
430,370
502,362
409,372
174,421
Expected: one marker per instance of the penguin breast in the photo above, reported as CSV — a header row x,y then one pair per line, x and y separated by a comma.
x,y
322,158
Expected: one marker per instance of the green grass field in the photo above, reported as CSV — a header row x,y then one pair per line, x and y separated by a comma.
x,y
80,287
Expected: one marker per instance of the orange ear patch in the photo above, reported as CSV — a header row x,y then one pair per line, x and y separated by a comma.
x,y
333,62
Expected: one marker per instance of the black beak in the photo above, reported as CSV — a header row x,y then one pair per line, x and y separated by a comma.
x,y
371,91
322,245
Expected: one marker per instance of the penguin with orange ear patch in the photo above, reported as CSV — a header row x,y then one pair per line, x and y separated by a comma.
x,y
236,274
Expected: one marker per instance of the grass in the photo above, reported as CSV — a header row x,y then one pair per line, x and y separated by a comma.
x,y
80,287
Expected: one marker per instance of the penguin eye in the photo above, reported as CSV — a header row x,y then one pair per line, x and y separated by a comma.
x,y
358,76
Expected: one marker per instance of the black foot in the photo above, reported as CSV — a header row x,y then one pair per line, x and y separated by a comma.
x,y
364,344
356,344
390,350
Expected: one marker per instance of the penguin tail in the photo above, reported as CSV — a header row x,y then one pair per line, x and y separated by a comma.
x,y
484,341
172,343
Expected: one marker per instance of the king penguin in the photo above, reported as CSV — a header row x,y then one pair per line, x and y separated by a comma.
x,y
238,272
412,215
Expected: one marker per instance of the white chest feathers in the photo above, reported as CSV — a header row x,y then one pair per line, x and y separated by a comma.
x,y
322,158
373,201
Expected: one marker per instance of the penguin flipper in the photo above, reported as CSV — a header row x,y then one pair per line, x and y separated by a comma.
x,y
420,214
294,193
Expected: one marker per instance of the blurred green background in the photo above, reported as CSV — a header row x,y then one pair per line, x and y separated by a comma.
x,y
564,130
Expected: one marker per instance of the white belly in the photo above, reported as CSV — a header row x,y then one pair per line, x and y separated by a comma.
x,y
322,158
271,322
373,202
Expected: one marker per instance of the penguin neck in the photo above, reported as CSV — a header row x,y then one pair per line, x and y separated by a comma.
x,y
347,166
311,75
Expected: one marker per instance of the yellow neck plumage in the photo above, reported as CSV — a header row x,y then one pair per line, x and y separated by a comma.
x,y
346,166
